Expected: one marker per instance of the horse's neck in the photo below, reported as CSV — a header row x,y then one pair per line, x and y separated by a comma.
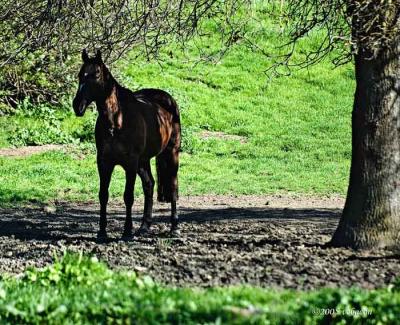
x,y
111,108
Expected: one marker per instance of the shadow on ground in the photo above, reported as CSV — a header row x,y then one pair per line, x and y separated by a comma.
x,y
220,245
71,223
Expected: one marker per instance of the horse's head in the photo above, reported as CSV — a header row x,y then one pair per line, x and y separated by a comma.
x,y
92,80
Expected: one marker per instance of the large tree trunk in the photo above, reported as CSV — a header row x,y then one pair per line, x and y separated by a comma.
x,y
371,216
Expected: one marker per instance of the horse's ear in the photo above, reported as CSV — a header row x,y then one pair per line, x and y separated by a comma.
x,y
85,56
98,56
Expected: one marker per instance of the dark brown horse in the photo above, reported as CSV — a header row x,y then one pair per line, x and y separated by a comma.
x,y
131,128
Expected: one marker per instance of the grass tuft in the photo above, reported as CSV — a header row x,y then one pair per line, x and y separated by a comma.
x,y
76,289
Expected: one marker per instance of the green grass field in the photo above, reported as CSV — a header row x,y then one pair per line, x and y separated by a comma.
x,y
295,130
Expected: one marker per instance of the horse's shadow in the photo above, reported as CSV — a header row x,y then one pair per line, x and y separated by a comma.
x,y
81,224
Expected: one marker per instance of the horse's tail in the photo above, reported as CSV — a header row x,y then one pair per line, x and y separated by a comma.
x,y
167,162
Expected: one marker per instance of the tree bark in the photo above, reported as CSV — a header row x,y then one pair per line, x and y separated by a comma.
x,y
371,216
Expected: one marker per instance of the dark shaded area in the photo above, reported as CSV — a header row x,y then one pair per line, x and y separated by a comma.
x,y
279,247
72,223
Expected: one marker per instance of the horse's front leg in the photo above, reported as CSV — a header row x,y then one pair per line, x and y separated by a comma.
x,y
130,175
105,169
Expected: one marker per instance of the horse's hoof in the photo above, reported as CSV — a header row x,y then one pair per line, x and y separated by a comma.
x,y
174,232
102,237
127,237
142,231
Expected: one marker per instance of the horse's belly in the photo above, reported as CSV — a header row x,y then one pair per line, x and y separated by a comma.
x,y
158,139
118,151
151,151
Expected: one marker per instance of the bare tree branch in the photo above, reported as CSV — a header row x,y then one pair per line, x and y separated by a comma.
x,y
349,27
51,32
113,26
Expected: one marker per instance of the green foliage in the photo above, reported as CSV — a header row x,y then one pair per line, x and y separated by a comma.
x,y
71,270
77,289
39,125
40,77
85,131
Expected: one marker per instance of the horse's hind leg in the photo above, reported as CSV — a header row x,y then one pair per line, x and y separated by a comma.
x,y
167,173
105,171
174,211
144,172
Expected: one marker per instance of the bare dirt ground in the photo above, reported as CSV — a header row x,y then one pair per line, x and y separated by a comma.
x,y
274,241
28,150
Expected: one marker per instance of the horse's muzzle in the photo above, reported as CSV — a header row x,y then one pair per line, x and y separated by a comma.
x,y
80,107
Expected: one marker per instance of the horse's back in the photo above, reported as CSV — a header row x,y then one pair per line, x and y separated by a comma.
x,y
161,98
